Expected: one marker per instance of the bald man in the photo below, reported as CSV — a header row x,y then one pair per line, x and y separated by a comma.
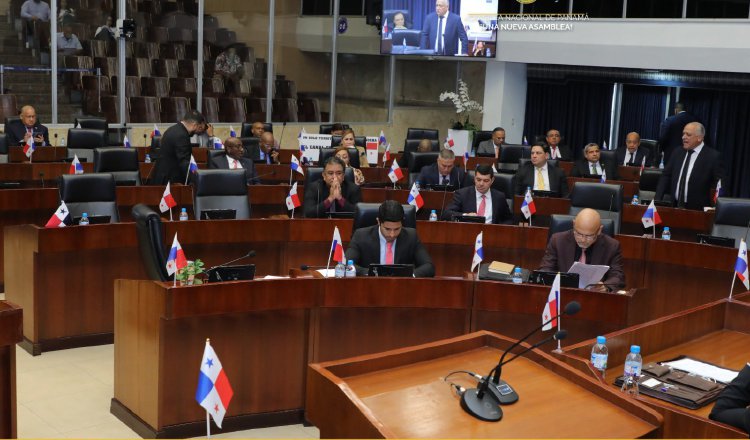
x,y
632,154
269,152
585,243
17,132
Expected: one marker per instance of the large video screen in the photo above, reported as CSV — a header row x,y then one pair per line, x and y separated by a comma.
x,y
439,28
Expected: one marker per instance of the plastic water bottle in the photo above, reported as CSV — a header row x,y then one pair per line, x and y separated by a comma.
x,y
517,276
351,271
633,365
183,214
666,234
416,185
340,270
599,355
661,163
62,141
636,201
84,219
433,216
148,158
488,52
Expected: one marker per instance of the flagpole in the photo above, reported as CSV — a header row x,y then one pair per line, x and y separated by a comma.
x,y
187,174
530,221
328,264
291,173
559,318
731,289
170,214
208,425
292,212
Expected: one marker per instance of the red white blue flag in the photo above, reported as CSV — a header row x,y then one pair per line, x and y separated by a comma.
x,y
478,252
126,142
337,247
528,208
395,174
75,166
232,133
214,391
156,131
552,307
414,197
29,148
740,267
296,166
292,200
167,201
60,218
176,259
651,216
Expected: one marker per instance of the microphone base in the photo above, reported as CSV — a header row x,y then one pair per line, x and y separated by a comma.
x,y
485,409
502,392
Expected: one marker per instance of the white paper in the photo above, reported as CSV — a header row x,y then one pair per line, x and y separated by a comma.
x,y
273,277
588,273
328,273
313,143
651,383
703,369
372,153
461,142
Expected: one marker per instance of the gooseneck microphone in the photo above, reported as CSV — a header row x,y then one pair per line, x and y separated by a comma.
x,y
249,254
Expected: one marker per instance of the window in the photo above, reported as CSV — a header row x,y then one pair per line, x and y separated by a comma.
x,y
654,9
718,8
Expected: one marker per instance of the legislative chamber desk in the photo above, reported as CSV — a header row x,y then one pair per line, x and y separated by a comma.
x,y
401,394
718,333
11,317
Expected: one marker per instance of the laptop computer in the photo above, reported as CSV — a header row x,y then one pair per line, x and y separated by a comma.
x,y
448,188
391,270
469,218
547,278
341,214
714,240
94,219
218,214
231,273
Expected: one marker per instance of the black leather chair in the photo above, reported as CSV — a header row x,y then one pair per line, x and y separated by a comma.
x,y
149,231
511,154
252,148
3,148
406,37
91,122
503,182
416,161
359,141
212,154
608,156
422,133
653,147
10,119
121,162
90,193
83,141
325,153
731,219
411,145
366,214
326,128
246,129
221,189
648,182
605,198
481,136
314,174
564,222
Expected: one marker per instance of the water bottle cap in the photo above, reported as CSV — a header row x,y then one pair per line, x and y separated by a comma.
x,y
666,228
517,269
85,214
635,349
184,209
433,212
351,262
601,340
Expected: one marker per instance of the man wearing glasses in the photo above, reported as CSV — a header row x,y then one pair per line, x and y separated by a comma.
x,y
586,244
331,194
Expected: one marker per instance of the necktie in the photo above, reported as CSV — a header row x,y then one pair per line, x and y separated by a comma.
x,y
629,159
482,206
583,256
540,180
388,252
593,168
683,179
440,36
554,152
234,164
445,180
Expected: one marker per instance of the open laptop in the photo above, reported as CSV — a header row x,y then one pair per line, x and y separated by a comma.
x,y
218,214
391,270
231,273
469,218
547,278
437,187
94,219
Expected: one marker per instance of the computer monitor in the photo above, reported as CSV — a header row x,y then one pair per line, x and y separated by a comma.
x,y
231,273
714,240
391,270
469,218
547,278
218,214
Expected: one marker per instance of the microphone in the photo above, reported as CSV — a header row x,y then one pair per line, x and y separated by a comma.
x,y
317,205
218,276
41,176
55,139
308,267
445,192
611,201
145,142
270,173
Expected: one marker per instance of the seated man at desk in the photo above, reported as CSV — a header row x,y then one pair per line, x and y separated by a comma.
x,y
443,172
632,155
333,193
234,160
18,132
585,243
389,242
733,405
539,175
591,164
480,200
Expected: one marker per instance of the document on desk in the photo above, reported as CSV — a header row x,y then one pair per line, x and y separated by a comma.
x,y
588,273
699,368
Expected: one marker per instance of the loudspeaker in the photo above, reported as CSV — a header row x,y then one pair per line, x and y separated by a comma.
x,y
374,11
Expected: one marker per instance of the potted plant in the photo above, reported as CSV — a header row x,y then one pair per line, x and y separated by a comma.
x,y
465,107
187,275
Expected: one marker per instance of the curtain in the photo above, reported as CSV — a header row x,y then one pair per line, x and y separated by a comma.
x,y
418,9
579,110
642,111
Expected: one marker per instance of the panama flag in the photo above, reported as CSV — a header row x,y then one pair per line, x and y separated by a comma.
x,y
213,392
448,143
218,145
29,148
337,247
718,191
155,132
296,166
478,252
552,308
651,216
525,141
381,138
643,165
604,175
193,167
528,208
387,153
395,174
740,267
176,259
60,218
75,166
604,146
385,26
414,197
167,201
292,200
466,159
494,170
126,142
232,133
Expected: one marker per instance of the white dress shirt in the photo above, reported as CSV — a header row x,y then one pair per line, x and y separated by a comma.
x,y
487,205
693,158
232,162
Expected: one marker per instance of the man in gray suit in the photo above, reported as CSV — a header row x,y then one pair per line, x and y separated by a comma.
x,y
492,147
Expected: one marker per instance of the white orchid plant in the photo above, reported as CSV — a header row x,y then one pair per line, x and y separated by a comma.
x,y
465,107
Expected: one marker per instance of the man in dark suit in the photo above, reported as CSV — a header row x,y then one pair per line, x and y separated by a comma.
x,y
592,165
539,175
692,172
441,31
632,155
585,243
17,132
175,151
333,193
443,171
556,149
733,405
492,147
389,242
234,159
670,132
480,199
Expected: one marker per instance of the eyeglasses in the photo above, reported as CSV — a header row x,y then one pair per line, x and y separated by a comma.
x,y
585,236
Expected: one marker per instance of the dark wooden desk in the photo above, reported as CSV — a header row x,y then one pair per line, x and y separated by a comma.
x,y
718,332
401,394
11,317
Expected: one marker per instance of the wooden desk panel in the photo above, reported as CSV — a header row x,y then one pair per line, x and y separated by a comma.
x,y
41,154
11,317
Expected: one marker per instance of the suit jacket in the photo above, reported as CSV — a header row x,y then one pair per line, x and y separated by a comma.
x,y
221,162
707,170
174,156
454,31
567,156
487,148
317,192
429,175
561,251
640,153
582,168
364,249
465,201
15,131
670,132
731,407
558,181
